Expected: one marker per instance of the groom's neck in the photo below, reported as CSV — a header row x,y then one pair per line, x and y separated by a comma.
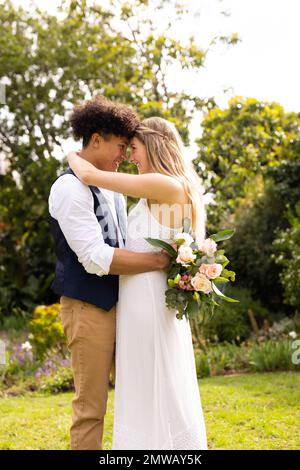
x,y
88,155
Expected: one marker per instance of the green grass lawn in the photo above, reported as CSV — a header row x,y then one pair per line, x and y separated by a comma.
x,y
255,411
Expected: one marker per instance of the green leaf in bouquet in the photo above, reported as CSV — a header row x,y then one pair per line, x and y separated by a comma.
x,y
196,295
193,269
192,308
171,298
171,294
175,281
163,245
179,315
174,270
221,259
221,280
210,259
203,259
229,274
181,297
223,235
220,294
194,246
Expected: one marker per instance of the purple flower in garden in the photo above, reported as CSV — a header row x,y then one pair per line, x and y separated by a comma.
x,y
21,355
65,363
52,365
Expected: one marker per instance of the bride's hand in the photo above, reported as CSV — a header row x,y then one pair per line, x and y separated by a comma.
x,y
83,169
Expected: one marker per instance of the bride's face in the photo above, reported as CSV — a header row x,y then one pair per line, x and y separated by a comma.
x,y
139,156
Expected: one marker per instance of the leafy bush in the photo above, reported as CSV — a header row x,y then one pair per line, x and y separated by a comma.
x,y
60,381
202,365
271,356
15,322
230,321
217,359
267,355
46,331
287,245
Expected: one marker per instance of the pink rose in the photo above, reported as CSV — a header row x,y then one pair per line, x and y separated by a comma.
x,y
201,283
211,270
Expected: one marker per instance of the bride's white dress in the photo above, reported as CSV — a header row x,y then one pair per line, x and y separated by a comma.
x,y
157,400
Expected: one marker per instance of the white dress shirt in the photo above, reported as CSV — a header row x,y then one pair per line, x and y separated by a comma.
x,y
71,203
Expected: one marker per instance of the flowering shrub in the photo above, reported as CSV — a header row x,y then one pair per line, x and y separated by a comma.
x,y
46,331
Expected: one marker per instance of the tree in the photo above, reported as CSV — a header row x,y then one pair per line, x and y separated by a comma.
x,y
239,143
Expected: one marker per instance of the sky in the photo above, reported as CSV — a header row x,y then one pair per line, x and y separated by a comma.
x,y
264,65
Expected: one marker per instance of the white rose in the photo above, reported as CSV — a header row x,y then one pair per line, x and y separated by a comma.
x,y
185,255
188,239
208,246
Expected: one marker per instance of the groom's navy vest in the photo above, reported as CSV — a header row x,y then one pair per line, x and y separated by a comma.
x,y
71,279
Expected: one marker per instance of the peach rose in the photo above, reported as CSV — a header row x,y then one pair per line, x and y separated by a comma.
x,y
211,270
201,283
185,255
208,246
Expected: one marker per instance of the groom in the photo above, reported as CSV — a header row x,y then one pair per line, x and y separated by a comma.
x,y
89,228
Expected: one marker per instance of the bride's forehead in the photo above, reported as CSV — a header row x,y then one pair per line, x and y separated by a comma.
x,y
134,141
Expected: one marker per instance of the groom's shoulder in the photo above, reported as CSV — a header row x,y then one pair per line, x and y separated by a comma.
x,y
67,184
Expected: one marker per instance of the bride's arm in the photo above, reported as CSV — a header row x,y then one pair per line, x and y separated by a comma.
x,y
155,186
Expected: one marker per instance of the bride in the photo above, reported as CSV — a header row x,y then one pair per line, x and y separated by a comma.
x,y
157,399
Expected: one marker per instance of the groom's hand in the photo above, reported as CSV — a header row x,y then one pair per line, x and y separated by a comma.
x,y
164,260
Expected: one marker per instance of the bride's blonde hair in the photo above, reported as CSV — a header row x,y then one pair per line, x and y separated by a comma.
x,y
165,151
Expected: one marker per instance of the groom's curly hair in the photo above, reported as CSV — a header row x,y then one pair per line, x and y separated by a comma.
x,y
103,116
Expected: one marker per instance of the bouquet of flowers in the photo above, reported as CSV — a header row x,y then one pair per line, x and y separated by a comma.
x,y
194,273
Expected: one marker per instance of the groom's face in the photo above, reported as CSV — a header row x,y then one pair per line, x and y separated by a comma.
x,y
108,152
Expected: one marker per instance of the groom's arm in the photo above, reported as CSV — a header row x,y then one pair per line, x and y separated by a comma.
x,y
131,262
71,204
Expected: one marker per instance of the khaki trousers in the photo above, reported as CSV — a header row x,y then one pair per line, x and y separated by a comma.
x,y
91,335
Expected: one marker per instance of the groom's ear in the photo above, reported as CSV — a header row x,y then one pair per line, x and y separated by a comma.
x,y
96,140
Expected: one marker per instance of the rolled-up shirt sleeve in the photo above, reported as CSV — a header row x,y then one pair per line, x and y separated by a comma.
x,y
71,204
